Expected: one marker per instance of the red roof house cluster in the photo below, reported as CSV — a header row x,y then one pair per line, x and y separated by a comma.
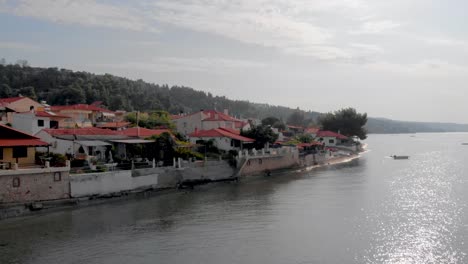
x,y
83,107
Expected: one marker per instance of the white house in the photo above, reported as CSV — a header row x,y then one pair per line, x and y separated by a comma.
x,y
224,139
206,120
312,131
330,138
33,122
80,142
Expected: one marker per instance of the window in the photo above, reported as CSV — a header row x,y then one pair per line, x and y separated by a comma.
x,y
331,141
1,153
20,152
57,176
16,182
185,124
248,163
40,123
260,161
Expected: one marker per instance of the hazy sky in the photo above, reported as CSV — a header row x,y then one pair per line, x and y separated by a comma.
x,y
400,59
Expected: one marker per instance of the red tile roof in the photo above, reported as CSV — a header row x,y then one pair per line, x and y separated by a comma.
x,y
83,107
220,132
234,131
330,134
312,130
22,143
143,132
114,124
11,99
12,138
214,115
50,114
85,131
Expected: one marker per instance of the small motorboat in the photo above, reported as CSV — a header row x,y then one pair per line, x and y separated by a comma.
x,y
464,143
399,157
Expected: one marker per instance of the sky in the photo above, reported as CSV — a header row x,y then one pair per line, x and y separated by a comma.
x,y
398,59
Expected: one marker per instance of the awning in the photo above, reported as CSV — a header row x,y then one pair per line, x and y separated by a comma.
x,y
92,143
133,141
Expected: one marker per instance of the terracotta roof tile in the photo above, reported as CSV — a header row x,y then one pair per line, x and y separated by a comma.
x,y
11,99
114,124
330,134
13,137
84,107
219,132
86,131
143,132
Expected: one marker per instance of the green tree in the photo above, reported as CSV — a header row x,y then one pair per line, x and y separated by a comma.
x,y
304,138
296,118
273,122
163,148
346,121
5,91
28,91
262,135
151,120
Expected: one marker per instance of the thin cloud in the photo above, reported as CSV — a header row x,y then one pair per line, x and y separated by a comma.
x,y
429,67
293,27
376,27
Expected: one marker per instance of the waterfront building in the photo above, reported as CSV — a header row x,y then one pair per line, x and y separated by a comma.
x,y
20,104
223,138
34,121
83,115
330,138
207,120
80,142
22,178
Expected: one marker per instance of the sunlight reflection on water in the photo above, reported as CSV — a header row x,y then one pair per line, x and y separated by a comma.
x,y
420,215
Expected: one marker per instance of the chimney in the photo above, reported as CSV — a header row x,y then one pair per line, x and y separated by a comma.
x,y
226,111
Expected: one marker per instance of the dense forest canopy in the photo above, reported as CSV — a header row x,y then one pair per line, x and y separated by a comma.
x,y
62,87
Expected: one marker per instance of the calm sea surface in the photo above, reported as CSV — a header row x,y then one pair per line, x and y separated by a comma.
x,y
371,210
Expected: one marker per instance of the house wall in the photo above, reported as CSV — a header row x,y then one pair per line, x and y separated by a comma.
x,y
261,164
35,185
207,125
105,183
59,146
326,140
189,123
8,156
22,105
28,122
316,159
222,143
82,118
